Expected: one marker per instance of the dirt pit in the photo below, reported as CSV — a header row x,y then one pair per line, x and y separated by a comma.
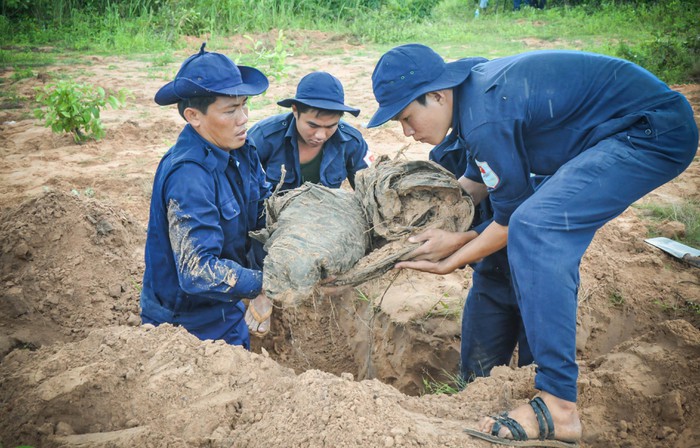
x,y
78,370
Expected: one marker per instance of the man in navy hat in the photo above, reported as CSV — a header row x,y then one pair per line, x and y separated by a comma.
x,y
312,142
207,195
605,130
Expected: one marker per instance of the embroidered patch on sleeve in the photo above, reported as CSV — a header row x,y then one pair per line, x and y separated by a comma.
x,y
490,178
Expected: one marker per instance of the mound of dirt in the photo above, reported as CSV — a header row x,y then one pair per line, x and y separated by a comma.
x,y
68,264
123,386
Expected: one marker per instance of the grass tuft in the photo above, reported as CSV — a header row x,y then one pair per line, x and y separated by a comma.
x,y
450,385
687,213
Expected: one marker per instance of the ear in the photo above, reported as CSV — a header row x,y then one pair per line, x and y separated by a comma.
x,y
192,116
439,96
294,110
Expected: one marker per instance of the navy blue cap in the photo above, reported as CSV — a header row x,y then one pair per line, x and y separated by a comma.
x,y
408,71
211,74
320,90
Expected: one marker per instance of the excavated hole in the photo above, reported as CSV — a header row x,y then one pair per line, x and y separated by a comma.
x,y
345,334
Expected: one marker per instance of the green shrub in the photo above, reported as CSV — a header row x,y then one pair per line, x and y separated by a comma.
x,y
75,108
22,73
271,61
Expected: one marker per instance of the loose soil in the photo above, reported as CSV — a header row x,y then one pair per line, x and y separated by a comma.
x,y
78,370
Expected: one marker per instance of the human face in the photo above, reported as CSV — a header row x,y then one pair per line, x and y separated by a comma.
x,y
314,130
224,123
428,123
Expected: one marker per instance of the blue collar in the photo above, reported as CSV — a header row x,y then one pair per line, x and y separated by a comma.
x,y
212,156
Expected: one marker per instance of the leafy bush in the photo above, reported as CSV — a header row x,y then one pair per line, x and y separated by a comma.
x,y
673,52
75,108
271,61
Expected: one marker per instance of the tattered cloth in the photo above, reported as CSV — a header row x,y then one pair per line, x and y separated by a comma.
x,y
311,232
314,232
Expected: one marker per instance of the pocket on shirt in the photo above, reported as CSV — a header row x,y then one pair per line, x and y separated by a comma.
x,y
334,174
273,173
230,208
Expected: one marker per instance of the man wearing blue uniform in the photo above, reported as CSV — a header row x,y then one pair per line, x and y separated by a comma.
x,y
605,130
491,322
312,142
207,195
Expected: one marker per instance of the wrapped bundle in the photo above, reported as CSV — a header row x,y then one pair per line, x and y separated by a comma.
x,y
403,198
314,232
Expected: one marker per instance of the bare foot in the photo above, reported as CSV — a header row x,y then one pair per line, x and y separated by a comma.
x,y
565,417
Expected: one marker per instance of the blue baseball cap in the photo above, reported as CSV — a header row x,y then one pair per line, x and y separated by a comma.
x,y
320,90
408,71
211,74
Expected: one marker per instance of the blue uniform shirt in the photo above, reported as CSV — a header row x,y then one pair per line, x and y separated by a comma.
x,y
204,203
533,112
276,141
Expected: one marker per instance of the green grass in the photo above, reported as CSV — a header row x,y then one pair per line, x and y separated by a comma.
x,y
361,296
687,213
616,298
446,308
451,383
637,30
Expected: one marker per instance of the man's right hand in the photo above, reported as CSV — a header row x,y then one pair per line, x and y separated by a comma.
x,y
438,244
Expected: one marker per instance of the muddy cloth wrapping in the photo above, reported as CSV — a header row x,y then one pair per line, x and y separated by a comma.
x,y
403,198
314,232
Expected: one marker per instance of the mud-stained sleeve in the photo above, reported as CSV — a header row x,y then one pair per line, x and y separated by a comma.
x,y
197,239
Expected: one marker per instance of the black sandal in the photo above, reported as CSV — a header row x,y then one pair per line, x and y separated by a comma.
x,y
544,421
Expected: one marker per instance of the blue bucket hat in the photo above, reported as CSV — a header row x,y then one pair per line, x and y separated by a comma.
x,y
408,71
320,90
211,74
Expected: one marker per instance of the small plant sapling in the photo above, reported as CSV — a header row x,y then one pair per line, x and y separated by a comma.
x,y
74,107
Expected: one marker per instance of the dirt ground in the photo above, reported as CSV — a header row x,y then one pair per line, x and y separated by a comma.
x,y
78,370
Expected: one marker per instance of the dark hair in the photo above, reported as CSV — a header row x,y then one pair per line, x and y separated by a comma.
x,y
303,108
201,103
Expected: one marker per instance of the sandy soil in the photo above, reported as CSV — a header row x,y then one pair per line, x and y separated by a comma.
x,y
78,370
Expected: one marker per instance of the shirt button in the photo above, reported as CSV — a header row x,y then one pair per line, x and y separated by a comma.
x,y
647,131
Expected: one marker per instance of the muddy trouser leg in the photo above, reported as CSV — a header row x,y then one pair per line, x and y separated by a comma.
x,y
550,231
491,326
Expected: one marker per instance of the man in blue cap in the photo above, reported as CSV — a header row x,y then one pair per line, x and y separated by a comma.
x,y
605,130
312,142
208,193
491,321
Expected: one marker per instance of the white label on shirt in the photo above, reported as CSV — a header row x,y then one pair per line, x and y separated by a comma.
x,y
490,178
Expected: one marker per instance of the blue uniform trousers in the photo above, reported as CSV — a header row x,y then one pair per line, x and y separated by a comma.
x,y
230,327
491,327
551,230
